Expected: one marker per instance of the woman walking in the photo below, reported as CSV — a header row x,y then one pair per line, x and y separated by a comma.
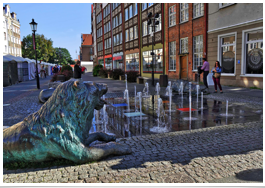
x,y
216,76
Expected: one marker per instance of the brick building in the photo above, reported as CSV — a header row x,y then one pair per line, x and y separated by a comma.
x,y
86,52
186,38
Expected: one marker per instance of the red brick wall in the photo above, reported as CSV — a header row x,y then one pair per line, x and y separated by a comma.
x,y
191,28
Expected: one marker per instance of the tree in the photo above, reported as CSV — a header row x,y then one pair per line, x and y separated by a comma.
x,y
62,56
44,48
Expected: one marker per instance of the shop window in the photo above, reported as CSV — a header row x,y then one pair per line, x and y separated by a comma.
x,y
158,61
132,62
227,53
253,55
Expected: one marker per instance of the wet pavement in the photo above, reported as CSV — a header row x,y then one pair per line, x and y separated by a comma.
x,y
206,151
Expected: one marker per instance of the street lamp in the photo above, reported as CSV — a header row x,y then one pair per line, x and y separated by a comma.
x,y
152,22
60,56
33,26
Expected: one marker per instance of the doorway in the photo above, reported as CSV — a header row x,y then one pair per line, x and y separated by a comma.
x,y
184,67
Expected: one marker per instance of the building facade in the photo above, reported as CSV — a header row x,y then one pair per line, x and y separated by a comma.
x,y
93,32
11,31
86,52
235,39
186,39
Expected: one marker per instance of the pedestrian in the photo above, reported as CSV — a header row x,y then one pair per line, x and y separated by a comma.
x,y
77,70
55,69
42,72
205,69
216,76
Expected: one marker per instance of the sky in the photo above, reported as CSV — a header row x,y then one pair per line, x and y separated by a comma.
x,y
61,22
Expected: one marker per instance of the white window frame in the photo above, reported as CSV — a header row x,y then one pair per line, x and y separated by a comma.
x,y
184,10
172,15
145,24
223,6
219,51
131,33
243,54
201,5
185,44
135,28
195,68
172,55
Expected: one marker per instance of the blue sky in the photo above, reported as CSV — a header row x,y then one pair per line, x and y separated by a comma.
x,y
62,22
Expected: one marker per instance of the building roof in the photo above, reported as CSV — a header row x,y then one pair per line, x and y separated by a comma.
x,y
87,39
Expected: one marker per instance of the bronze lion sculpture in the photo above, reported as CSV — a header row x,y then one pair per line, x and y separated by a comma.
x,y
60,129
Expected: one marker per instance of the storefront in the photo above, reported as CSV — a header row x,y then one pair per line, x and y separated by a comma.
x,y
101,61
118,61
132,62
158,63
108,63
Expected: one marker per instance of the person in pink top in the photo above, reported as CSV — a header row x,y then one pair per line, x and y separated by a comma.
x,y
205,68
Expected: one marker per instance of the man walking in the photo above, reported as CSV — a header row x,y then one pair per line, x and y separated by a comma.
x,y
205,69
77,70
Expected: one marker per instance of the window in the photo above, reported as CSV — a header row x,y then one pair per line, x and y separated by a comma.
x,y
132,62
5,48
131,33
130,11
4,35
172,15
226,51
144,28
184,45
135,9
144,6
253,52
120,19
126,35
126,14
114,41
150,4
198,10
120,38
158,63
117,21
197,51
223,5
172,56
135,32
159,26
114,22
184,12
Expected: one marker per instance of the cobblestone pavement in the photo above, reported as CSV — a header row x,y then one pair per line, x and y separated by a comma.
x,y
178,157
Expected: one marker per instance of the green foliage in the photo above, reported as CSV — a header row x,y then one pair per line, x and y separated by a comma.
x,y
66,67
68,75
103,73
45,50
44,47
132,76
96,70
116,73
255,88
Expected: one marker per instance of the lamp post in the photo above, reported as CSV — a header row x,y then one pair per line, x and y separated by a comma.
x,y
33,26
152,22
60,56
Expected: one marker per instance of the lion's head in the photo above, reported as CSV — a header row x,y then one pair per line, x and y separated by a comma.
x,y
71,106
